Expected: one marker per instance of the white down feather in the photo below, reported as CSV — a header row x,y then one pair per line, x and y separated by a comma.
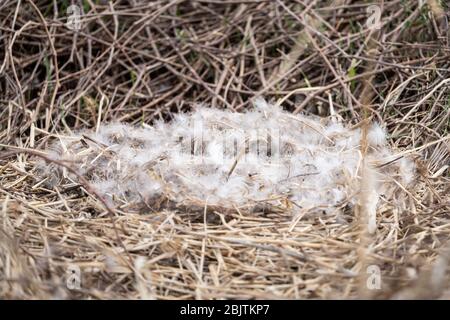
x,y
211,156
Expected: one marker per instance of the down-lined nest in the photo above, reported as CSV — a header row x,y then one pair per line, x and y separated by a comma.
x,y
264,158
138,62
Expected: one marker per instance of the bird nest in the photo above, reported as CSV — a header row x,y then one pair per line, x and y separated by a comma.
x,y
264,158
93,205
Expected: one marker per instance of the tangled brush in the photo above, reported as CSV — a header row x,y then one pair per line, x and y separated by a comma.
x,y
264,158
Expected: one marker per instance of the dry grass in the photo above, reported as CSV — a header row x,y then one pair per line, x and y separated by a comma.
x,y
135,61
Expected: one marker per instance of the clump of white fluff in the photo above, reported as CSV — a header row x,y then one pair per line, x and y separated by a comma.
x,y
376,135
229,159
